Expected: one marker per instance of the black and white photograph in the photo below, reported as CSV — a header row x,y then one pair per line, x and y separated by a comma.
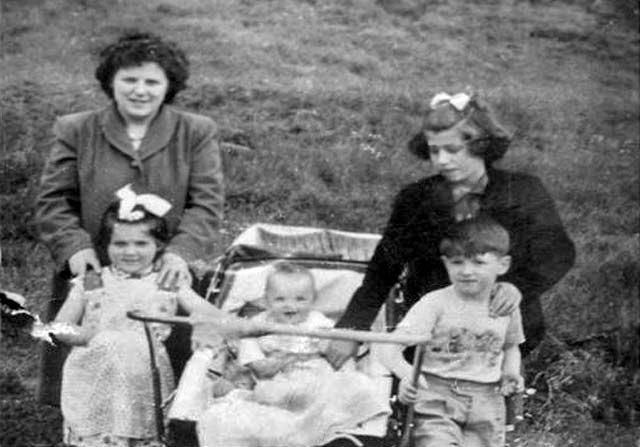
x,y
320,223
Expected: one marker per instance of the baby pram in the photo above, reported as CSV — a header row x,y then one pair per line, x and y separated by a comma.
x,y
338,260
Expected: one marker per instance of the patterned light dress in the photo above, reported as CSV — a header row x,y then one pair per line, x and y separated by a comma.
x,y
107,393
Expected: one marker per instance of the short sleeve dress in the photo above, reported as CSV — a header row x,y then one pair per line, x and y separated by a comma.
x,y
107,392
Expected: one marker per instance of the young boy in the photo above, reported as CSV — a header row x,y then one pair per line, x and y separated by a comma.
x,y
473,360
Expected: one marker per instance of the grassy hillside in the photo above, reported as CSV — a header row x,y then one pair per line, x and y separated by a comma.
x,y
326,94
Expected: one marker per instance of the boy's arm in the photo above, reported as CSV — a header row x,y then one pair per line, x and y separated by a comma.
x,y
391,357
512,380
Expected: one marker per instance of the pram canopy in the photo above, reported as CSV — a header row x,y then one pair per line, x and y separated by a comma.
x,y
336,259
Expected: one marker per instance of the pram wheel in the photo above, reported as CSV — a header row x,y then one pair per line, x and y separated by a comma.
x,y
367,441
182,434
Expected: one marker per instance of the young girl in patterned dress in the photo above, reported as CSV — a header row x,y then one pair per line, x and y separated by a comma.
x,y
107,393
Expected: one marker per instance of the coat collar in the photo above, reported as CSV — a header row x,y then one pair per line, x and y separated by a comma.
x,y
498,191
158,135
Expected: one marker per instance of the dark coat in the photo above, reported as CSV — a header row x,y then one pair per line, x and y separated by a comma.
x,y
541,251
90,160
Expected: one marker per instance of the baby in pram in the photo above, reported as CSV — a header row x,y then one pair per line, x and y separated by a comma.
x,y
298,399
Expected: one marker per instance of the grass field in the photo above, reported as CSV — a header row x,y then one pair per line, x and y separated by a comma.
x,y
325,94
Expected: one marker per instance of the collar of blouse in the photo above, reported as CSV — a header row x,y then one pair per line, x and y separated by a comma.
x,y
459,191
124,275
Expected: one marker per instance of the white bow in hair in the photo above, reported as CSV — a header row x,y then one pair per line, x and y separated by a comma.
x,y
459,100
128,200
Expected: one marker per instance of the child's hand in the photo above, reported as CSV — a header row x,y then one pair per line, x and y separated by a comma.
x,y
511,384
339,351
505,298
285,359
408,392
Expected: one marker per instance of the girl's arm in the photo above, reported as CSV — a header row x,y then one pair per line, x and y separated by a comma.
x,y
384,267
195,305
204,333
71,313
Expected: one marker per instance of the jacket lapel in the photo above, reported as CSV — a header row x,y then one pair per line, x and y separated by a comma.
x,y
157,137
160,132
114,130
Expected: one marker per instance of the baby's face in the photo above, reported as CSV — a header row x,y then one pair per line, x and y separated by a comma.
x,y
289,297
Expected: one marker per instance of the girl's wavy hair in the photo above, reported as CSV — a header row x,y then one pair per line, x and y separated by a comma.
x,y
157,227
485,136
135,48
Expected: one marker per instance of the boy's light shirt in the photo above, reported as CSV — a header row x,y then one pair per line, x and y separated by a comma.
x,y
466,343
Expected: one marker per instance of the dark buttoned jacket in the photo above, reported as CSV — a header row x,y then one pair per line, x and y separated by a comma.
x,y
541,250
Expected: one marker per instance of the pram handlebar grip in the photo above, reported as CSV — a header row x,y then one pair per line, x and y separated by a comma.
x,y
239,328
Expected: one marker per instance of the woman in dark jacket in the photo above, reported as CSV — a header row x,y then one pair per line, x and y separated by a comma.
x,y
139,138
462,139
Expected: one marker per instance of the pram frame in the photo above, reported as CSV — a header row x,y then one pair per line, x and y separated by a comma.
x,y
283,329
327,246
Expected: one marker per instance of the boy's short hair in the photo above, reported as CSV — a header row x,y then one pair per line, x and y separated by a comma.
x,y
475,236
289,268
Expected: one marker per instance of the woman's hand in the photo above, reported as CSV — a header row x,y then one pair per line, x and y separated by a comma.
x,y
408,392
339,351
505,299
173,271
80,260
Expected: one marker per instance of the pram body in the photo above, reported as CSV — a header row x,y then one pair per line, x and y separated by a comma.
x,y
337,260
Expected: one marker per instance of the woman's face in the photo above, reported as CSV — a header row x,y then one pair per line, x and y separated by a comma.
x,y
140,91
449,154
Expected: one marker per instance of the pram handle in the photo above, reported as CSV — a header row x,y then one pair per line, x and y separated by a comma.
x,y
240,328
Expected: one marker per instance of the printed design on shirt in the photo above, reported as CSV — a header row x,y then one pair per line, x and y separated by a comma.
x,y
460,342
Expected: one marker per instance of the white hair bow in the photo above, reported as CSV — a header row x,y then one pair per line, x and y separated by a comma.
x,y
459,100
128,200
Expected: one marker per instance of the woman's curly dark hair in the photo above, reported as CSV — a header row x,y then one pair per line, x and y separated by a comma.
x,y
479,127
135,48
